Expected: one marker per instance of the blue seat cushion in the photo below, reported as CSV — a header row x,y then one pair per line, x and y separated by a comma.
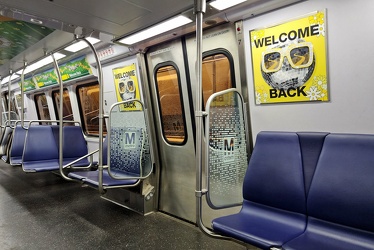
x,y
40,166
15,160
92,178
260,225
323,235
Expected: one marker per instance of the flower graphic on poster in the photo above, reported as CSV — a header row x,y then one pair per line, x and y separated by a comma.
x,y
313,93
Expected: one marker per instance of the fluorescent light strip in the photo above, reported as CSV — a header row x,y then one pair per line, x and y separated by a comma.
x,y
41,63
224,4
167,25
81,44
6,79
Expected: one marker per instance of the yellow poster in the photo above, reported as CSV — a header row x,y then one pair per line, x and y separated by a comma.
x,y
127,87
289,61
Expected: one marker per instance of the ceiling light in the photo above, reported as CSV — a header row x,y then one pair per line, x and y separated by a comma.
x,y
224,4
81,44
6,79
41,63
167,25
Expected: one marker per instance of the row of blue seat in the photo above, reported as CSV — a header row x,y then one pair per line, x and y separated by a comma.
x,y
307,191
37,150
40,150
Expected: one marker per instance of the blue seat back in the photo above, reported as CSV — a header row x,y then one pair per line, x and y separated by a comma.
x,y
56,133
275,175
311,144
18,142
75,144
40,144
342,189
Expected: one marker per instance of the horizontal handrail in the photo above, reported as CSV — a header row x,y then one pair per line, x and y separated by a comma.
x,y
56,121
69,165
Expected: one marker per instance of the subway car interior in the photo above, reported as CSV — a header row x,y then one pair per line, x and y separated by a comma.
x,y
186,124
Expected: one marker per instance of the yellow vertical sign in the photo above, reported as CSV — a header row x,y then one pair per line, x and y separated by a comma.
x,y
289,61
127,86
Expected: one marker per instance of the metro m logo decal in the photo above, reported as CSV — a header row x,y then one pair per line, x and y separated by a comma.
x,y
130,140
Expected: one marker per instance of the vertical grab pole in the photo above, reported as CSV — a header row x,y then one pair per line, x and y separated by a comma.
x,y
9,96
22,93
200,6
61,119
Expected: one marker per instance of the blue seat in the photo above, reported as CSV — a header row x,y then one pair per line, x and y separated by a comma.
x,y
92,178
40,152
74,146
18,143
274,205
274,190
340,202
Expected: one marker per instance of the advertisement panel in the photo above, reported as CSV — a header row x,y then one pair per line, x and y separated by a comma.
x,y
289,61
127,86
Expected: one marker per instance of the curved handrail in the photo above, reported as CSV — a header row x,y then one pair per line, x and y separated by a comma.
x,y
70,164
56,121
101,108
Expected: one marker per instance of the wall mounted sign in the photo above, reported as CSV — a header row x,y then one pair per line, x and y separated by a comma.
x,y
289,61
74,69
127,86
46,78
28,84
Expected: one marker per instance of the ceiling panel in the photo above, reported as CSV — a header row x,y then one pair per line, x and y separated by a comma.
x,y
118,12
17,36
115,17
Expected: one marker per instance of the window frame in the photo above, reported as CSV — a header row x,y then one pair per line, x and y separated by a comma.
x,y
175,67
57,107
37,109
230,58
80,108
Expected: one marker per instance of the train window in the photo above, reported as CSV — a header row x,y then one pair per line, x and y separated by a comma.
x,y
170,103
13,108
217,71
88,98
42,107
67,110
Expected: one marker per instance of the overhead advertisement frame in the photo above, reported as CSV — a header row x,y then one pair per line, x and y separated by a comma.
x,y
290,60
